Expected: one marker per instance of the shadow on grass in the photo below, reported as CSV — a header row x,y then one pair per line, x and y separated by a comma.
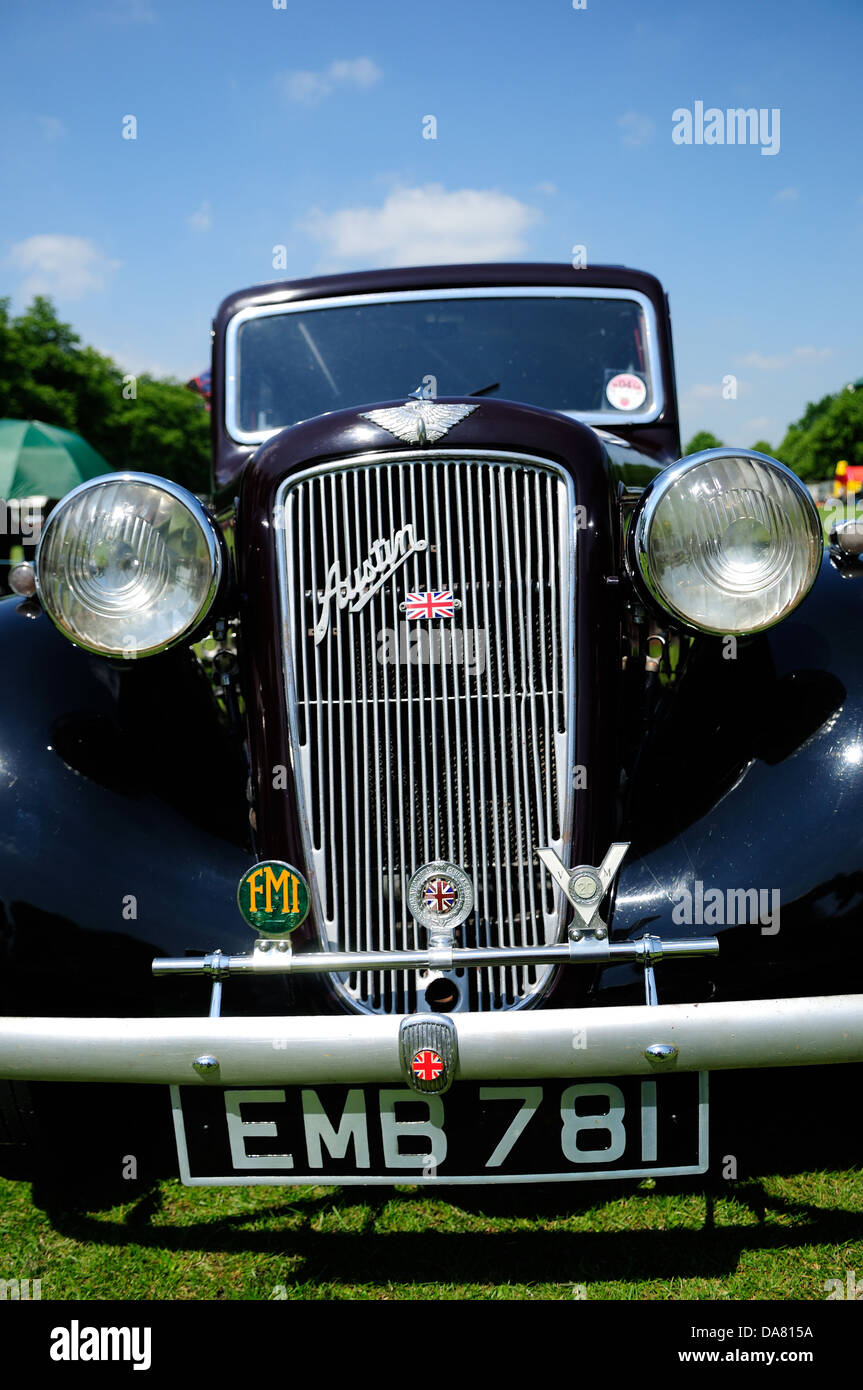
x,y
369,1256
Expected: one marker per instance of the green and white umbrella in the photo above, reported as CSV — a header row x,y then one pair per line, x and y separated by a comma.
x,y
38,460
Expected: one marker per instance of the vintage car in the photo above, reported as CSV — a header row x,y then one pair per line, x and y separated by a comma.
x,y
455,794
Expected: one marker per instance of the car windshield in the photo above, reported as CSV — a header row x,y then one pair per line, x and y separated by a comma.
x,y
582,354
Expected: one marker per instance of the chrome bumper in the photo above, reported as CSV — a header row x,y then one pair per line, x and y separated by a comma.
x,y
315,1050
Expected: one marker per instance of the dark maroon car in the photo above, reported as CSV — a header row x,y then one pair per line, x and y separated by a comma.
x,y
519,794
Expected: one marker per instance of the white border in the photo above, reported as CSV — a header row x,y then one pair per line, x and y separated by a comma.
x,y
655,405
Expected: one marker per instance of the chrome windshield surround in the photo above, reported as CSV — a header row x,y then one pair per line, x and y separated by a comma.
x,y
421,722
655,405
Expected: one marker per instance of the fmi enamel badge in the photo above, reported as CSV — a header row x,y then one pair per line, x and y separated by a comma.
x,y
273,897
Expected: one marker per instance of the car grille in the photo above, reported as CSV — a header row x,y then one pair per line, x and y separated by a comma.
x,y
442,739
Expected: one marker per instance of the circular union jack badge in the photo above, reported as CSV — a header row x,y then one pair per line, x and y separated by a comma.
x,y
426,1064
440,894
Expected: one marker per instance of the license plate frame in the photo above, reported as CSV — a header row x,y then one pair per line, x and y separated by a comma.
x,y
196,1111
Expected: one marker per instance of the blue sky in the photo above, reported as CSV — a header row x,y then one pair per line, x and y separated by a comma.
x,y
302,127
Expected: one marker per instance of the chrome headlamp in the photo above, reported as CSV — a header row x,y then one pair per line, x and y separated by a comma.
x,y
727,541
128,564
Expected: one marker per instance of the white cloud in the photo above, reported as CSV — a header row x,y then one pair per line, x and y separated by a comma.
x,y
415,226
359,72
51,126
201,219
307,87
786,359
786,195
636,130
311,87
68,266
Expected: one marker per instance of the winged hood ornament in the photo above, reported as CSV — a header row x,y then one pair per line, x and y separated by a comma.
x,y
419,421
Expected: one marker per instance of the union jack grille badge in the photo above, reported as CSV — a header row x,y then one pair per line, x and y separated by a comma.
x,y
440,895
439,604
428,1046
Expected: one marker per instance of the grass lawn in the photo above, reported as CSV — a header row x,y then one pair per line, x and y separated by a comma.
x,y
775,1238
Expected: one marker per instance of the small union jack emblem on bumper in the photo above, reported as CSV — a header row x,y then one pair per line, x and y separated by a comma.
x,y
428,1049
426,1065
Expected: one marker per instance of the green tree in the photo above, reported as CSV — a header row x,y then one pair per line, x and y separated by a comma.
x,y
166,430
702,440
761,446
828,431
159,426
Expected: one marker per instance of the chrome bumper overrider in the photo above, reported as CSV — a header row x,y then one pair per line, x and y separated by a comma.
x,y
315,1050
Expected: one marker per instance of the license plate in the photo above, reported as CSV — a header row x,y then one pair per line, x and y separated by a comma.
x,y
525,1131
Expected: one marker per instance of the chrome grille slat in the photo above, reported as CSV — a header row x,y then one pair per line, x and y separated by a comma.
x,y
547,710
402,762
504,675
490,713
410,931
447,706
477,852
530,705
343,748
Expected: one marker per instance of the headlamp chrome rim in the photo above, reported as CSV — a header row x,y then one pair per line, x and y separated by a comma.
x,y
636,550
209,532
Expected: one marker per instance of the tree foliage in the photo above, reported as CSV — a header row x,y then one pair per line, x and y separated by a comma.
x,y
829,430
702,440
152,426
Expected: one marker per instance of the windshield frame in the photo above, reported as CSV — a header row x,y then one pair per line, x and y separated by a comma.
x,y
605,418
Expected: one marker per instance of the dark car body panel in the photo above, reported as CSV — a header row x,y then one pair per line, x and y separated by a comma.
x,y
751,774
117,780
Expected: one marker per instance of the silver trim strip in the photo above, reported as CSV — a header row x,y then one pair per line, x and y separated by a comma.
x,y
576,951
261,1051
295,306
